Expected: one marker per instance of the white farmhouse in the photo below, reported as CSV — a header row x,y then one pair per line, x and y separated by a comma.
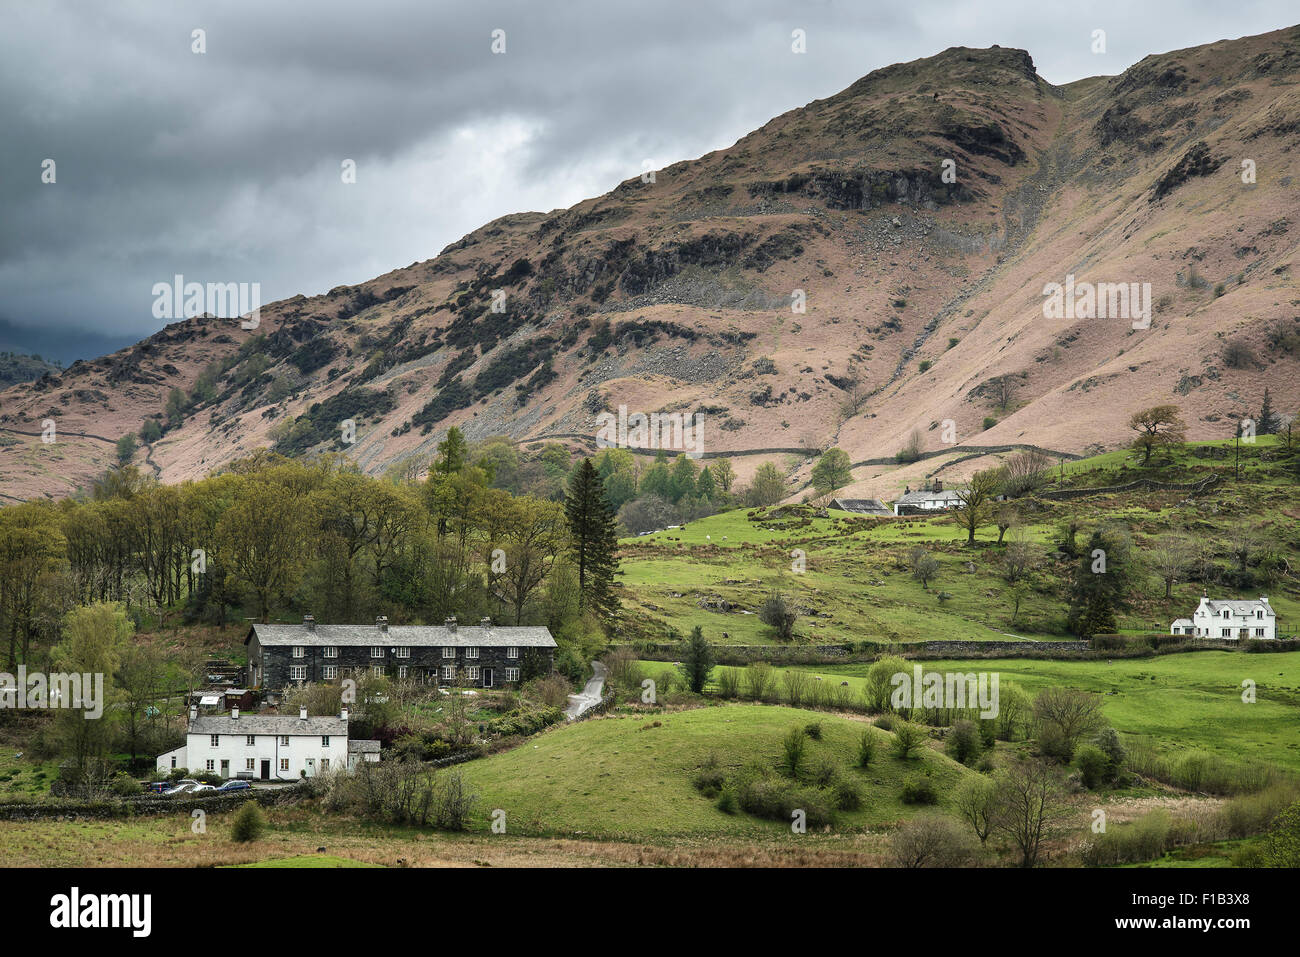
x,y
266,747
933,499
1229,619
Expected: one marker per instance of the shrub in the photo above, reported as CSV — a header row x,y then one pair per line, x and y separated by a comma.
x,y
249,823
931,840
1093,764
885,723
919,791
825,773
963,743
727,802
777,800
866,748
814,730
728,682
794,747
710,779
758,680
847,795
907,739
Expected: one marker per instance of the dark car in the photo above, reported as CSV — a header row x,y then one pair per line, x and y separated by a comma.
x,y
157,787
235,786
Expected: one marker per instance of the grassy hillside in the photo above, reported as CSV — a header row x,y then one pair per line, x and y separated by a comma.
x,y
1174,702
624,778
856,584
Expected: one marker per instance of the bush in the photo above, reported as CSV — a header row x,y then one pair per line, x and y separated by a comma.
x,y
931,840
847,795
907,739
1093,766
727,802
866,748
249,824
963,743
885,723
710,779
777,800
814,730
919,791
794,747
728,682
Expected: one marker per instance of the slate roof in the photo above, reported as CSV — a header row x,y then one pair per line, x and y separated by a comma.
x,y
916,498
489,636
1241,609
364,746
281,724
862,506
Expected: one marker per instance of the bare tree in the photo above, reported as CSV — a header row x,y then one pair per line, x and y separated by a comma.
x,y
924,566
1025,472
1002,390
1171,556
975,501
931,840
1027,799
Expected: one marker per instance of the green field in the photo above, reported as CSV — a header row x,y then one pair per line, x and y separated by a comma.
x,y
855,583
1176,702
623,778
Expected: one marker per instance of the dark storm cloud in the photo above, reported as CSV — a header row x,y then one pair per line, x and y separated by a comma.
x,y
225,166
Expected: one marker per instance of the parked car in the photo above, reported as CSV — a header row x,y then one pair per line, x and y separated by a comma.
x,y
202,787
157,787
182,787
235,786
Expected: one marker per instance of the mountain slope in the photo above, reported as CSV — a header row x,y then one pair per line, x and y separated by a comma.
x,y
677,294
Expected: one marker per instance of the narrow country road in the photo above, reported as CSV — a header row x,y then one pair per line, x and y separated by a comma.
x,y
590,697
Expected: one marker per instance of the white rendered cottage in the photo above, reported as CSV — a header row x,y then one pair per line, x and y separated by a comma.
x,y
932,499
1229,619
266,747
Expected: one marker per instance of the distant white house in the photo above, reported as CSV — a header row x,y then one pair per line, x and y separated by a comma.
x,y
268,747
933,499
1229,619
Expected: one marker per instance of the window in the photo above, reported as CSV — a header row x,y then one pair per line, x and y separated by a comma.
x,y
1259,612
1225,613
401,671
448,652
376,651
1227,632
298,651
403,652
214,740
284,740
249,741
329,672
248,764
471,651
512,652
377,670
1259,632
512,674
297,672
471,672
324,764
284,764
173,760
324,740
211,765
448,672
331,651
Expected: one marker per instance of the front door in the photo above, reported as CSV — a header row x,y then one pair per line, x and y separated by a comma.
x,y
266,770
225,768
487,677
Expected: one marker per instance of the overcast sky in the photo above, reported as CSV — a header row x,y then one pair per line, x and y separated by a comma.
x,y
224,166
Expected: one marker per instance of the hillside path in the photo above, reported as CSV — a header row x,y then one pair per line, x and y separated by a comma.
x,y
590,697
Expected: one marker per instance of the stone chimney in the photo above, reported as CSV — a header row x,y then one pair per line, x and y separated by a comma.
x,y
381,623
485,622
450,624
194,712
302,714
234,714
938,485
309,621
